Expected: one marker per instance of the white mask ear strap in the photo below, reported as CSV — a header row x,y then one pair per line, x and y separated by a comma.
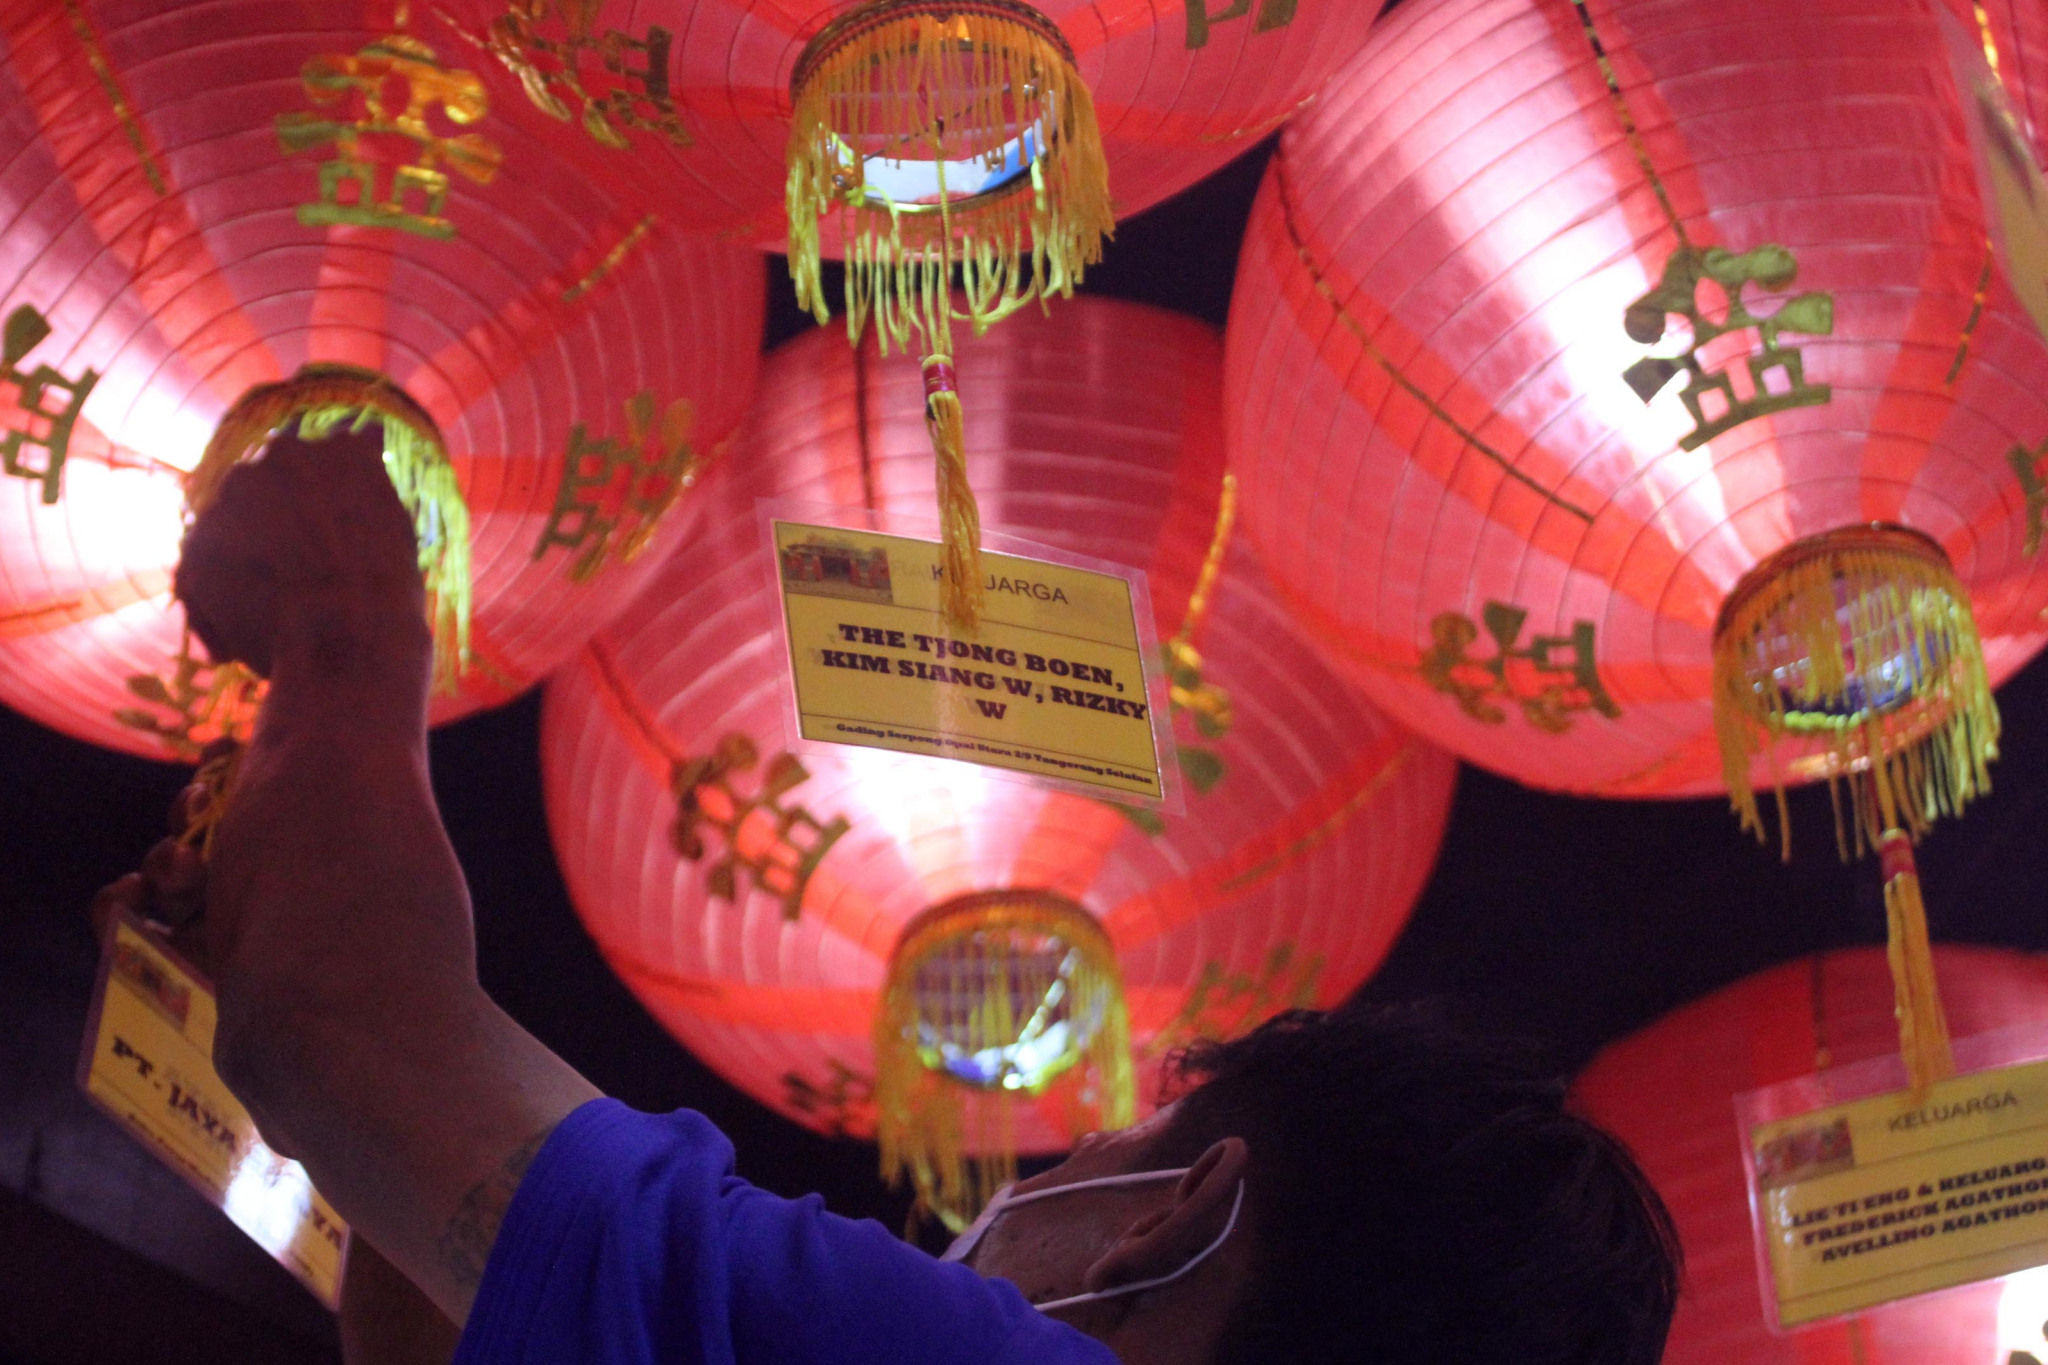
x,y
1142,1285
1100,1182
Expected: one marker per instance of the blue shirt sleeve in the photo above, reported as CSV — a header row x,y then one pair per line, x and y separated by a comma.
x,y
630,1242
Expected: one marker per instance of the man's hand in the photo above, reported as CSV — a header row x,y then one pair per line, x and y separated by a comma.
x,y
351,1022
307,563
385,1319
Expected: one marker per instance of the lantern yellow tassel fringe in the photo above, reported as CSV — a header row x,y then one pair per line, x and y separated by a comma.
x,y
876,79
908,76
1854,655
955,1139
323,397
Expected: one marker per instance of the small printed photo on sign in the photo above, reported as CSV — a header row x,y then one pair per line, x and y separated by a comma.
x,y
828,566
151,984
1805,1153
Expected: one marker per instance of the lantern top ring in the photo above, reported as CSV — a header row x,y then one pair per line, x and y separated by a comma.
x,y
855,23
1876,537
1035,71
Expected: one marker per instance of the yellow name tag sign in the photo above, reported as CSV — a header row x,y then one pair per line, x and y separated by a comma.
x,y
1888,1197
2015,193
1054,683
148,1063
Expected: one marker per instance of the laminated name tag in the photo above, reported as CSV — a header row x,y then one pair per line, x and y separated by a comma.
x,y
1884,1197
1059,684
148,1062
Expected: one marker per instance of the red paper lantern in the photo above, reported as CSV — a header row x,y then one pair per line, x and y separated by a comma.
x,y
198,201
1668,1092
986,146
1311,822
1564,332
687,104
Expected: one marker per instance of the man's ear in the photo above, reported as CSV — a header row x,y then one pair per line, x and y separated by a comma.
x,y
1166,1239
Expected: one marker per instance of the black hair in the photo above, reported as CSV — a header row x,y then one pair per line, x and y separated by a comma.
x,y
1419,1196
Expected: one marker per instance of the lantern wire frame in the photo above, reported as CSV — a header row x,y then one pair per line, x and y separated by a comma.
x,y
944,83
994,999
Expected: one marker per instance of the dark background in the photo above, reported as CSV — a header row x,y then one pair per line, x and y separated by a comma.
x,y
1570,922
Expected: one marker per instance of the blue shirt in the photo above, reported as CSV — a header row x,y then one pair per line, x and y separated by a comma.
x,y
630,1241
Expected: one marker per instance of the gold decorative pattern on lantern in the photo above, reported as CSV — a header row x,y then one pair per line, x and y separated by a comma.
x,y
616,489
1711,397
605,80
362,84
194,704
321,398
1853,656
991,999
1551,679
2030,467
31,421
1188,692
844,1100
117,98
779,845
1328,294
1226,1004
610,260
1271,14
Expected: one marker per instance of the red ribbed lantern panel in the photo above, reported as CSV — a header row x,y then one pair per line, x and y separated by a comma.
x,y
1287,879
1482,285
1668,1092
176,206
698,91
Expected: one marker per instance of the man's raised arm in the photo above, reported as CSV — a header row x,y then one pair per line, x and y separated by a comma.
x,y
351,1021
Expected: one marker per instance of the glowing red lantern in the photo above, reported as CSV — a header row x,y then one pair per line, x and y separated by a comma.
x,y
988,144
1535,378
195,207
1629,392
1668,1092
688,104
802,895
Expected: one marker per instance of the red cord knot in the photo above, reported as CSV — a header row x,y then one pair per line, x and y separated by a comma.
x,y
939,377
1895,854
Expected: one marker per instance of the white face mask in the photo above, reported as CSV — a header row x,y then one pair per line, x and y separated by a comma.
x,y
963,1245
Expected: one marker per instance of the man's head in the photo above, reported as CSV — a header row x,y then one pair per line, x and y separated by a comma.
x,y
1409,1196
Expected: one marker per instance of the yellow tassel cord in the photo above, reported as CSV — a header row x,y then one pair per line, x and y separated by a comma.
x,y
324,397
216,774
928,82
1854,655
959,514
991,1001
